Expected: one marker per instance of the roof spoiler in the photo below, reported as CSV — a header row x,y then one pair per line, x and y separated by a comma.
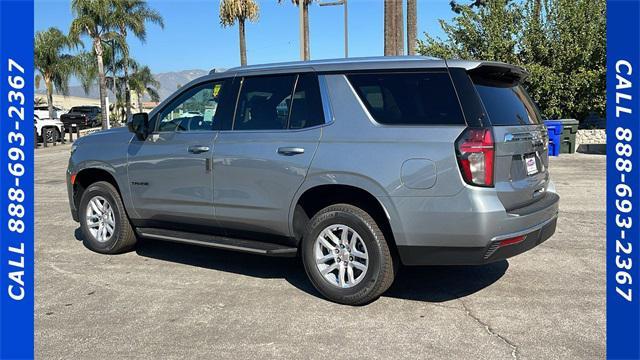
x,y
499,72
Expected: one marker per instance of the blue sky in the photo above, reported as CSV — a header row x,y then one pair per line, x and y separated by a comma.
x,y
193,39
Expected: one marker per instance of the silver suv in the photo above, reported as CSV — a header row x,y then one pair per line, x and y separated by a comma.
x,y
356,166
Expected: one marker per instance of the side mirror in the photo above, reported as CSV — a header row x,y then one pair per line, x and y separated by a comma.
x,y
139,125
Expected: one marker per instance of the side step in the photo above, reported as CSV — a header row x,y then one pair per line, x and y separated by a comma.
x,y
220,242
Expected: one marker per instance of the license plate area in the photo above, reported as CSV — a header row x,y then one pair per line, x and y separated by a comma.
x,y
531,165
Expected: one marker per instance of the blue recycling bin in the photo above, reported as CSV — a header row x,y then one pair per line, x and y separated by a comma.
x,y
554,128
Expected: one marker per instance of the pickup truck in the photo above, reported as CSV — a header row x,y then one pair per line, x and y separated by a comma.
x,y
82,116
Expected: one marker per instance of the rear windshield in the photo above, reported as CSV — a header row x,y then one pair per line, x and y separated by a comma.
x,y
83,109
507,104
416,98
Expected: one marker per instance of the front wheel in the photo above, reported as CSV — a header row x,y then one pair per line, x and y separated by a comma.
x,y
103,220
346,255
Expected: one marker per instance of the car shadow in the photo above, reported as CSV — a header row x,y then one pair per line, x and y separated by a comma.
x,y
444,283
424,283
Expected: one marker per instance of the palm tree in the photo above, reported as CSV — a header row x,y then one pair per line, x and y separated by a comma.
x,y
240,11
94,19
305,17
53,66
412,26
86,70
389,27
399,28
143,83
132,15
393,28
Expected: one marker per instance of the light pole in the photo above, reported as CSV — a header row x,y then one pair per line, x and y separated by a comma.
x,y
346,22
303,44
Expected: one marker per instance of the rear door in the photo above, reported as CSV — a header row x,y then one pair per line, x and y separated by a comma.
x,y
261,160
521,163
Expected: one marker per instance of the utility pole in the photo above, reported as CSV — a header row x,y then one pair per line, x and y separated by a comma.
x,y
346,22
303,44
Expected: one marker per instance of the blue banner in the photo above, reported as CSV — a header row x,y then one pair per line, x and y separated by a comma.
x,y
623,183
16,179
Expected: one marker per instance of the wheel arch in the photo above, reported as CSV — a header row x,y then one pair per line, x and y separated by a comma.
x,y
316,195
92,173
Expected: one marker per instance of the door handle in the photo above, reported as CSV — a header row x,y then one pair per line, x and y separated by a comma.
x,y
290,151
197,149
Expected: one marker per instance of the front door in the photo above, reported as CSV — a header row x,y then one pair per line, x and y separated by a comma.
x,y
170,172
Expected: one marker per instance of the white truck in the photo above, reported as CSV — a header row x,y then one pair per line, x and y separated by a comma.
x,y
50,129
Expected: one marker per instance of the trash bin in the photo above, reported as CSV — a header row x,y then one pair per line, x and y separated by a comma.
x,y
554,128
568,137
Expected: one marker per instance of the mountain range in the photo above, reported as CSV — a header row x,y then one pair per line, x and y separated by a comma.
x,y
169,82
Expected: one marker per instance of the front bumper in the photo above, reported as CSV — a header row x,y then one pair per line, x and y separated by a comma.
x,y
71,197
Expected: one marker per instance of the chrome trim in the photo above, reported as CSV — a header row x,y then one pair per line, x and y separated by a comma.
x,y
526,231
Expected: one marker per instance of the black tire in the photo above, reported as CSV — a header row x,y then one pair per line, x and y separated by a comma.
x,y
52,135
381,264
123,237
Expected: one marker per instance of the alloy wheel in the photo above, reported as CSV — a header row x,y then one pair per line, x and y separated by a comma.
x,y
341,256
100,218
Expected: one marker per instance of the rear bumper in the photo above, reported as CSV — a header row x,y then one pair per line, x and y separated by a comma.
x,y
469,229
440,255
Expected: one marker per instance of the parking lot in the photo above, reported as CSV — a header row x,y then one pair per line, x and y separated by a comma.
x,y
177,301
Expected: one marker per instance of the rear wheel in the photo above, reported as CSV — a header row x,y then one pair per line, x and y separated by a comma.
x,y
103,220
346,256
51,135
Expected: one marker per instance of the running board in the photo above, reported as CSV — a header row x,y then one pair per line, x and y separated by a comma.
x,y
219,242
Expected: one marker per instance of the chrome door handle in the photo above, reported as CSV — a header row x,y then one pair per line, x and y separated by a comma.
x,y
197,149
290,151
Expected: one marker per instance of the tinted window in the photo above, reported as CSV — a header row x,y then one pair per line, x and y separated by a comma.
x,y
193,110
223,118
306,109
425,98
85,109
264,103
506,103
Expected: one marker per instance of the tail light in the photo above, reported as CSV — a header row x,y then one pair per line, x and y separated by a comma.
x,y
475,149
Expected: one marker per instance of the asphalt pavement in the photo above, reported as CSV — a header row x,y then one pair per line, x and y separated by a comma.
x,y
173,301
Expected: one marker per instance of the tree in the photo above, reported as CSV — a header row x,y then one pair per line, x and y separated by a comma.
x,y
562,44
390,27
412,26
305,24
86,70
232,11
143,83
132,16
393,28
53,65
94,19
399,28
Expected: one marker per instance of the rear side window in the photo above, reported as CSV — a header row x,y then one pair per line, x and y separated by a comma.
x,y
416,98
279,102
506,103
264,103
306,108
